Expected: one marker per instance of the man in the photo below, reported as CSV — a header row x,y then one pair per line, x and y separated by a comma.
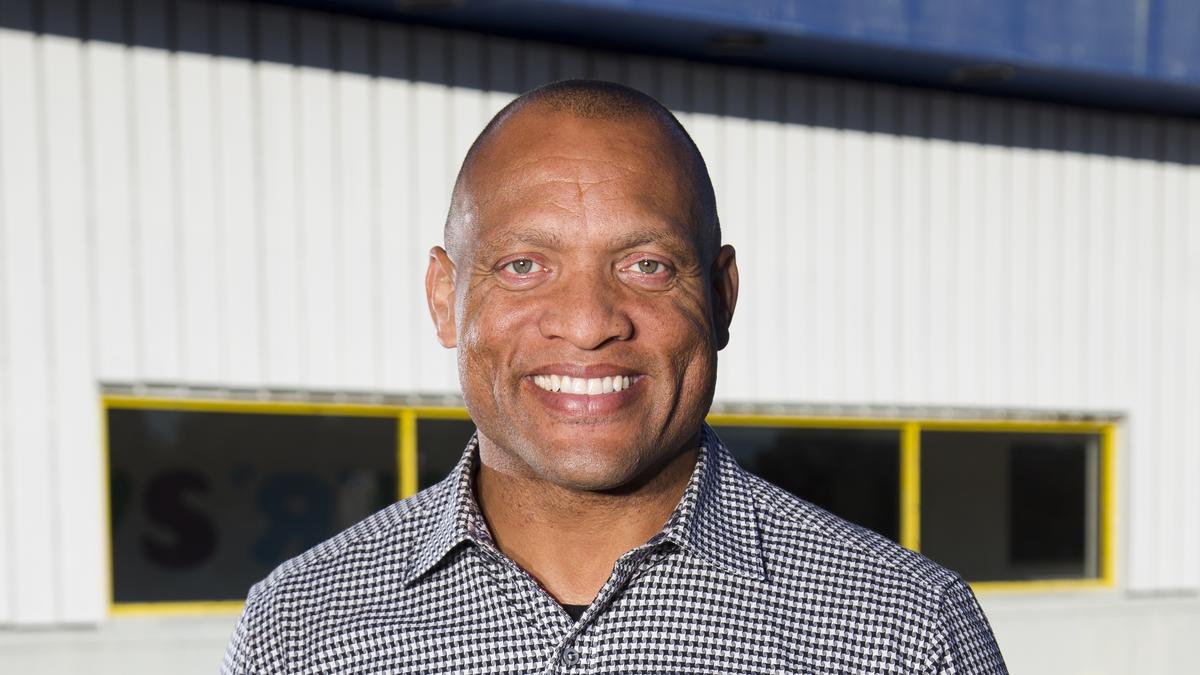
x,y
595,524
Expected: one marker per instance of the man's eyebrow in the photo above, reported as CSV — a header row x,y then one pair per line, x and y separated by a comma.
x,y
642,238
521,238
551,239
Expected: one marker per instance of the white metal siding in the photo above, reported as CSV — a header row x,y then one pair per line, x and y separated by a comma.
x,y
189,215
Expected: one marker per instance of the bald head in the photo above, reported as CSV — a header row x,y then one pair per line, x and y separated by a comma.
x,y
583,101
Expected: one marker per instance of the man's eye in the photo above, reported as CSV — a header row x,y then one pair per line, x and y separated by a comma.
x,y
648,266
523,266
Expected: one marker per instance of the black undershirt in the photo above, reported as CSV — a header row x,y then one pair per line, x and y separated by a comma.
x,y
575,611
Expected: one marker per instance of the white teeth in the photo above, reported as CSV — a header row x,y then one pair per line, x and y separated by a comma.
x,y
592,386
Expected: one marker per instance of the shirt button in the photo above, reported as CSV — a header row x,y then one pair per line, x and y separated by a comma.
x,y
570,658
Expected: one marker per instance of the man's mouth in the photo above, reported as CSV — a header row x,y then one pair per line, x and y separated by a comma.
x,y
589,386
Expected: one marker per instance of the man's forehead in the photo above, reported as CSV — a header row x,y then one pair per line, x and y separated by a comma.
x,y
576,181
564,226
535,130
539,166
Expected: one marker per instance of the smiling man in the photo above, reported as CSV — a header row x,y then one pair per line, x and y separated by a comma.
x,y
595,523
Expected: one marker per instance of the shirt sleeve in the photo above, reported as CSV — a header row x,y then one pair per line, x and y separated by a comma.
x,y
253,639
967,646
237,652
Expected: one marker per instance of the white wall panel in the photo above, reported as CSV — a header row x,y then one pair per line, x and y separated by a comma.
x,y
1187,422
7,422
277,166
238,221
966,257
1070,262
358,336
608,66
245,195
539,63
32,514
765,188
941,194
910,222
156,211
572,63
110,164
736,167
794,254
880,256
317,258
73,458
432,180
201,251
401,255
642,73
855,241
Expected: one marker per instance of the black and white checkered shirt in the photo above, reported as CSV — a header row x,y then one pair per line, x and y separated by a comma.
x,y
743,578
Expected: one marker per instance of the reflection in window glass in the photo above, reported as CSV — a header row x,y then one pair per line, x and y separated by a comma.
x,y
1010,506
440,444
204,504
854,473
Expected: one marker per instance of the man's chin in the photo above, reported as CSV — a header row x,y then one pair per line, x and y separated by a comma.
x,y
587,469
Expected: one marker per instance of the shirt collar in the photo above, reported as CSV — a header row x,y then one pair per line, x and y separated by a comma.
x,y
452,516
715,520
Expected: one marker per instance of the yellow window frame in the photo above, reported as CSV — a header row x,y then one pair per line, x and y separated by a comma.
x,y
910,431
406,463
407,417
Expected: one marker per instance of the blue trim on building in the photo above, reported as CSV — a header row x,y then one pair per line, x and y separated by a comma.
x,y
1121,54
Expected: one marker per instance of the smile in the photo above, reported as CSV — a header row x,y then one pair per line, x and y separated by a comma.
x,y
590,386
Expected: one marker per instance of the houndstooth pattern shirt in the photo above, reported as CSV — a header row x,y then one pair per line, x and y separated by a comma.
x,y
743,578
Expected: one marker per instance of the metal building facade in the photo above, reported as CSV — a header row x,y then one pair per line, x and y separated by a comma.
x,y
232,195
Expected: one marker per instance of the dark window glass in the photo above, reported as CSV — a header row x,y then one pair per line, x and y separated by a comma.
x,y
854,473
204,504
1010,506
440,444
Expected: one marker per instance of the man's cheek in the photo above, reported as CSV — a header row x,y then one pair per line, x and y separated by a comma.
x,y
502,318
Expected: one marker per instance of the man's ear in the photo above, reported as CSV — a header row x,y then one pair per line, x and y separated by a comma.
x,y
439,292
724,292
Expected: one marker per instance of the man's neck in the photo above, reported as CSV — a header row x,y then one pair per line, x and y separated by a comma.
x,y
567,539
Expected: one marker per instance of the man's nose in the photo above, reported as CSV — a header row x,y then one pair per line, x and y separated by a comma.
x,y
587,311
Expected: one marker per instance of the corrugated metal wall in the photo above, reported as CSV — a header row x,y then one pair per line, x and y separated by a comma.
x,y
245,195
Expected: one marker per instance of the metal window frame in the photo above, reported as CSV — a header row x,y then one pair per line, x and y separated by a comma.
x,y
406,471
910,431
408,416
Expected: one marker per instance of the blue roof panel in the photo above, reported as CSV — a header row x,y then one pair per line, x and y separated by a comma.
x,y
1142,54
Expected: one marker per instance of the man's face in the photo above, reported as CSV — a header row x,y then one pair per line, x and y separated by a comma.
x,y
586,309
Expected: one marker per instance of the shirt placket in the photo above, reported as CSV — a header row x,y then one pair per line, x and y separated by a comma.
x,y
575,652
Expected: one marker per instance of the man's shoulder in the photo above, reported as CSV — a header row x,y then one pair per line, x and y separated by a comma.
x,y
803,543
376,547
866,589
307,594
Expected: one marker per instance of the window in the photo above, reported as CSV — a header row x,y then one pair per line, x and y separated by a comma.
x,y
1011,506
854,473
207,497
440,444
205,502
